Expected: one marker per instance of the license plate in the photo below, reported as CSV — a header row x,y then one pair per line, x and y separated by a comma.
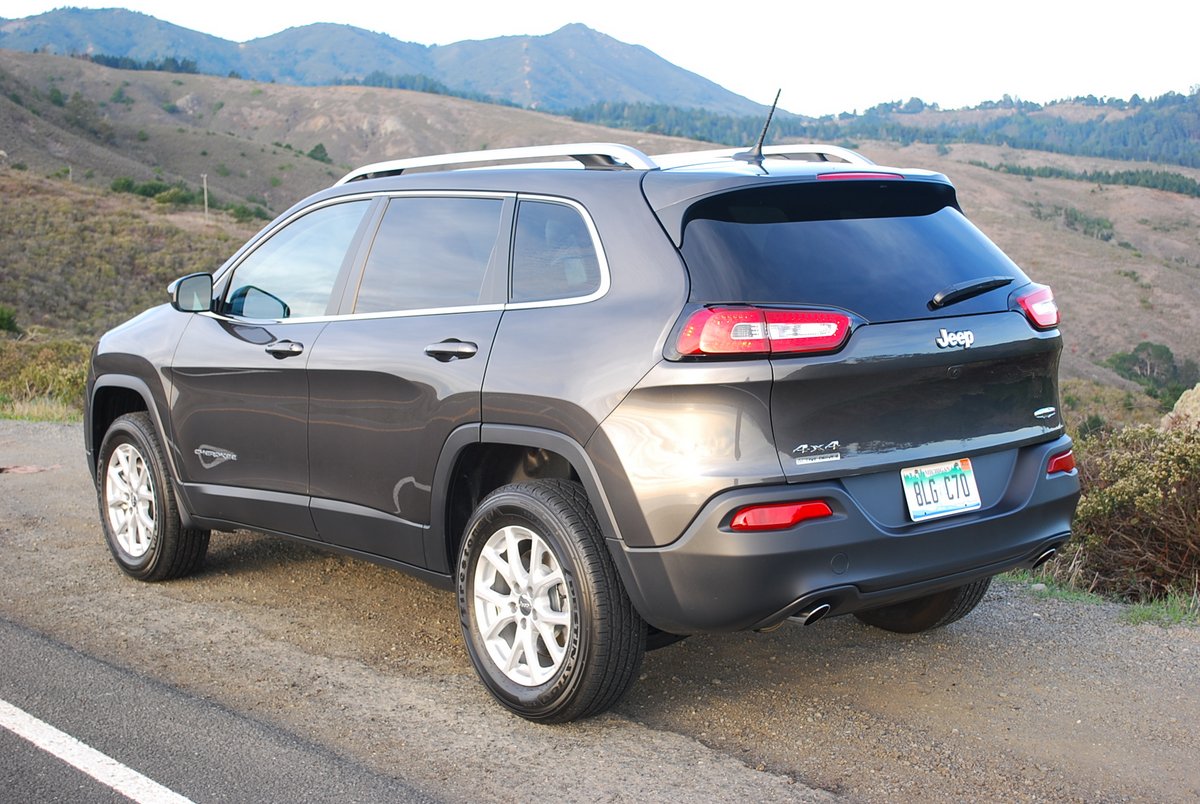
x,y
940,489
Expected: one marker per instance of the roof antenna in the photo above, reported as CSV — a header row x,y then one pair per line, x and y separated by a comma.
x,y
755,154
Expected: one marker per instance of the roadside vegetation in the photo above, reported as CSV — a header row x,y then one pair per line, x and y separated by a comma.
x,y
77,261
1137,530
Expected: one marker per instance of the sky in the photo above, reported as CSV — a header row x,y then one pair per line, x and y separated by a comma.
x,y
826,57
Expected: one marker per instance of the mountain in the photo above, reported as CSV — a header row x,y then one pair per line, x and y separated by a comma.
x,y
325,53
571,67
577,66
117,32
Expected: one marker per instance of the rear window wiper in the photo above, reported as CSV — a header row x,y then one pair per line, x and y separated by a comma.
x,y
961,291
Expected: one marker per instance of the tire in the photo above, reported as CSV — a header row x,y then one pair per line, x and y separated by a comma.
x,y
929,612
137,505
546,620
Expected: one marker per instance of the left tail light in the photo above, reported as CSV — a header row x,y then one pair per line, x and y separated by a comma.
x,y
757,331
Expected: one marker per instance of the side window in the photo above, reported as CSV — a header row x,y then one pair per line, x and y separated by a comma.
x,y
429,253
554,256
292,273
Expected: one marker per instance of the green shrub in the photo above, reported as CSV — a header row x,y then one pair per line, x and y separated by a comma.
x,y
176,196
8,320
1153,366
1138,524
55,369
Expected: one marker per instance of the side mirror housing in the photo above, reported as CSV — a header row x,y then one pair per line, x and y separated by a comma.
x,y
192,293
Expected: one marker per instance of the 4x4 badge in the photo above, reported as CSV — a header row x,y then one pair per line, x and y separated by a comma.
x,y
818,453
963,338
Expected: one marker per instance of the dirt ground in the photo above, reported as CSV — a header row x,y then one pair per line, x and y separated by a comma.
x,y
1029,698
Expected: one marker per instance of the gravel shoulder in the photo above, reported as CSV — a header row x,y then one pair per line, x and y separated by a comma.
x,y
1026,699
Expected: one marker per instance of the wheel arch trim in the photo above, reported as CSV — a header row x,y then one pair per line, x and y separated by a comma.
x,y
140,387
438,536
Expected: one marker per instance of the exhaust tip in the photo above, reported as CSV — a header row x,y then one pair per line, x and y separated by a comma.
x,y
811,615
1044,557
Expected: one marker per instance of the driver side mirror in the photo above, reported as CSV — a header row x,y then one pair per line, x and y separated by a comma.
x,y
192,293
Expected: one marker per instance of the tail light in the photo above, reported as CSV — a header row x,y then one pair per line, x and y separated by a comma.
x,y
754,331
1062,462
778,516
1039,307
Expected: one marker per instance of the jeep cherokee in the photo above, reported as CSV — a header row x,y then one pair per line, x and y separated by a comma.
x,y
609,399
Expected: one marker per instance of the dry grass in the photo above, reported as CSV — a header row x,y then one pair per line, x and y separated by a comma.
x,y
43,409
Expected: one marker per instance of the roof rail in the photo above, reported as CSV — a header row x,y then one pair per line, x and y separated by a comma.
x,y
603,155
811,152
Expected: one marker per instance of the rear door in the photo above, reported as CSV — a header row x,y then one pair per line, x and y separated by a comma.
x,y
403,368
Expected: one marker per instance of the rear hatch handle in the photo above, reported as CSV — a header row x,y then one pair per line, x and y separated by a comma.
x,y
451,349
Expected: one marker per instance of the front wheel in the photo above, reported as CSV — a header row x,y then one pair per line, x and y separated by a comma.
x,y
546,619
928,612
137,505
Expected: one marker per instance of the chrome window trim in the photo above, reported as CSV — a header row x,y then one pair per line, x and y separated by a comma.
x,y
601,259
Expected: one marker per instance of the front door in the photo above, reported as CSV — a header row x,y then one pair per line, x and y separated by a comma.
x,y
239,375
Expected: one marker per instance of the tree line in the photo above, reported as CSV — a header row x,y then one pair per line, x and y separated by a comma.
x,y
1154,179
169,64
1159,130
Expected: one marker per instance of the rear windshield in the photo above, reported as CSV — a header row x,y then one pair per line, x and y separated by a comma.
x,y
878,249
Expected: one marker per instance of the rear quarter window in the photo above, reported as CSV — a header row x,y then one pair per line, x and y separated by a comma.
x,y
554,256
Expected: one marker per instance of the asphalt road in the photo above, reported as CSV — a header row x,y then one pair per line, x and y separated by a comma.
x,y
192,746
282,673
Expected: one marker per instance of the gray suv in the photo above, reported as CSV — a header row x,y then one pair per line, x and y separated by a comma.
x,y
610,399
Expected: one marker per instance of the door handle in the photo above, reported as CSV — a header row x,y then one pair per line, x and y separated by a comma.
x,y
451,349
281,349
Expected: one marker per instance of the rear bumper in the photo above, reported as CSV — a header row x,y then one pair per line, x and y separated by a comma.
x,y
867,554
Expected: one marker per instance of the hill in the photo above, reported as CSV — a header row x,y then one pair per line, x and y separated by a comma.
x,y
573,66
251,139
1123,260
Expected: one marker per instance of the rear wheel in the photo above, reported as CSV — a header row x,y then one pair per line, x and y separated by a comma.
x,y
929,612
137,505
546,620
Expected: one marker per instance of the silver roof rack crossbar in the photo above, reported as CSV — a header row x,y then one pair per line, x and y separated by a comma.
x,y
812,152
590,154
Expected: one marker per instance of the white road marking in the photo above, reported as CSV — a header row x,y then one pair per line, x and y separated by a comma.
x,y
100,767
